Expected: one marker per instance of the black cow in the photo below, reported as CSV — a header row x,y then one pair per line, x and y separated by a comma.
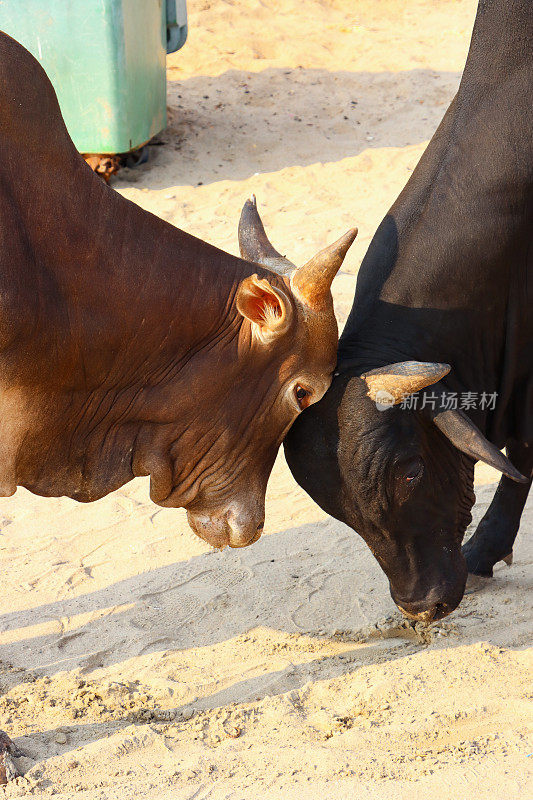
x,y
448,280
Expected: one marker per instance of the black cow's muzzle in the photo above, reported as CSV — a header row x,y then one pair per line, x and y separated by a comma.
x,y
437,602
423,612
429,582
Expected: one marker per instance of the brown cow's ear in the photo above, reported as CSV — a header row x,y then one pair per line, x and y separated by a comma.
x,y
268,308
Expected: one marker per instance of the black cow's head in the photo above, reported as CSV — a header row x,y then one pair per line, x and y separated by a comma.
x,y
402,479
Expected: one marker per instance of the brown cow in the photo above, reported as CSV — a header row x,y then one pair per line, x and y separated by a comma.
x,y
128,347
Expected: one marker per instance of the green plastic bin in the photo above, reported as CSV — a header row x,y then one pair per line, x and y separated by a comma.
x,y
106,60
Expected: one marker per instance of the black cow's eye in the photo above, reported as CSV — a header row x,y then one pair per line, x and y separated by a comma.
x,y
413,470
408,475
302,396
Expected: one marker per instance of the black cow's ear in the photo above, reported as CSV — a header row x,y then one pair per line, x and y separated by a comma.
x,y
397,381
266,307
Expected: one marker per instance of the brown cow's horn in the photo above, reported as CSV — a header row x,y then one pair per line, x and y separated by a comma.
x,y
462,433
312,282
254,244
396,381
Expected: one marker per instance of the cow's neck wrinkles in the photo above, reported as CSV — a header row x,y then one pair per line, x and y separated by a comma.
x,y
122,283
91,267
107,310
126,310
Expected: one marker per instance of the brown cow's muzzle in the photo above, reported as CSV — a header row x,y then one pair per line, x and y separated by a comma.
x,y
231,527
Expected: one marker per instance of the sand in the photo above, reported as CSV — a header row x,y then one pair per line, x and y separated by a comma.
x,y
136,662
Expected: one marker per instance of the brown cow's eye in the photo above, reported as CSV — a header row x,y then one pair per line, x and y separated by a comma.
x,y
302,396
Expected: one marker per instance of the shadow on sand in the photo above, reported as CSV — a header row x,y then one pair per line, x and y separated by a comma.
x,y
239,123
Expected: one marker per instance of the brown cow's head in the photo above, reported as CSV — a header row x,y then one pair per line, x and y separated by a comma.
x,y
275,359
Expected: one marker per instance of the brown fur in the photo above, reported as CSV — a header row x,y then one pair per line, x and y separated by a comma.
x,y
122,350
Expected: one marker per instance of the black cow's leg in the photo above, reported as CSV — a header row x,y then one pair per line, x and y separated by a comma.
x,y
494,538
8,751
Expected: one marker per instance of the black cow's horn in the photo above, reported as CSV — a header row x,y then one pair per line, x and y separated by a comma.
x,y
254,244
397,381
312,282
462,433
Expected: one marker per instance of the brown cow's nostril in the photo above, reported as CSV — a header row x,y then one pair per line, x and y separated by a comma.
x,y
257,534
